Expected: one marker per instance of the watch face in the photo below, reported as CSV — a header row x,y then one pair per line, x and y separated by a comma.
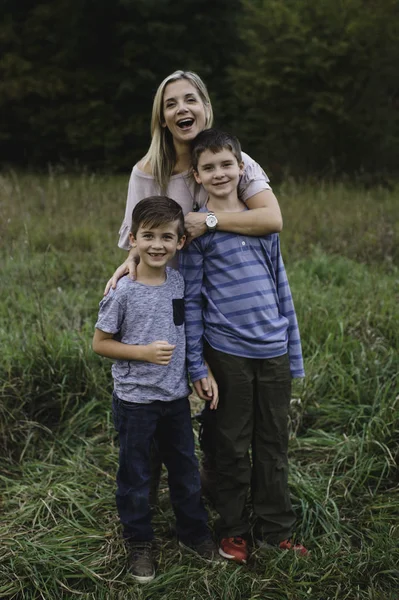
x,y
211,221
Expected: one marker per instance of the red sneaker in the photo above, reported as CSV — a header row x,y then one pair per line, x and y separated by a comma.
x,y
234,548
288,544
295,546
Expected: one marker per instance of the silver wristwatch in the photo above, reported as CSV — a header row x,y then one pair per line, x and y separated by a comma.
x,y
211,221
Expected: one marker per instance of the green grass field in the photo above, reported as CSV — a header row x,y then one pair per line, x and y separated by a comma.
x,y
59,532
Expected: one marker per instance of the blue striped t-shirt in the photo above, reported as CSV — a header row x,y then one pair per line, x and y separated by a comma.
x,y
238,298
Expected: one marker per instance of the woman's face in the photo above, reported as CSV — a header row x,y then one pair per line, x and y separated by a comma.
x,y
183,110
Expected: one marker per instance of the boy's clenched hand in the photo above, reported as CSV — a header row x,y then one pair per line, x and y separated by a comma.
x,y
158,352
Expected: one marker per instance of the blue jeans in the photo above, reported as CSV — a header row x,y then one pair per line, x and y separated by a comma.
x,y
136,425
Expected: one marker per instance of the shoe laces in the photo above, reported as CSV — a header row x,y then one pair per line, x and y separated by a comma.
x,y
239,541
141,550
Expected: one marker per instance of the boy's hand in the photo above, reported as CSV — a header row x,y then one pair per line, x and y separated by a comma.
x,y
194,224
122,270
207,389
129,267
159,352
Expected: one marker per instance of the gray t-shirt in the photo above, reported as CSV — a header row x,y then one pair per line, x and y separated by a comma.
x,y
140,314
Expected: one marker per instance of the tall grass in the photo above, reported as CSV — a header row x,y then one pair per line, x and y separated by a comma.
x,y
59,533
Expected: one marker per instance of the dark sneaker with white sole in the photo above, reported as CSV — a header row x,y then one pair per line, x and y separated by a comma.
x,y
141,561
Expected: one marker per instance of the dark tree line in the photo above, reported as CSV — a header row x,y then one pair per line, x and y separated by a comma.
x,y
308,86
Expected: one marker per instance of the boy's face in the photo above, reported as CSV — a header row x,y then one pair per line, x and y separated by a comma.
x,y
157,245
219,173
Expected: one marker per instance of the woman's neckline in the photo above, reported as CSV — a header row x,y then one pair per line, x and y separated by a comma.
x,y
144,174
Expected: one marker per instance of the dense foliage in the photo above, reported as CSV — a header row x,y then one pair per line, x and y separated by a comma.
x,y
309,86
318,84
79,76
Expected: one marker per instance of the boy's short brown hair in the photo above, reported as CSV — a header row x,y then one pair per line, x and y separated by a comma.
x,y
214,140
155,211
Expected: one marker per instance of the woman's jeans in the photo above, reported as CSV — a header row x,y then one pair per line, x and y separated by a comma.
x,y
136,425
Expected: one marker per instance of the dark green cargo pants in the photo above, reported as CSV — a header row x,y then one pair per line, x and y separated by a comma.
x,y
252,413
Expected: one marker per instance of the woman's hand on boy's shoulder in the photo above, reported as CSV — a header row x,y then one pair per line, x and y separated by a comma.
x,y
129,267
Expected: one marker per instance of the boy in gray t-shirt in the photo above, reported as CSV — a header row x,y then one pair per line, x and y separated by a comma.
x,y
141,326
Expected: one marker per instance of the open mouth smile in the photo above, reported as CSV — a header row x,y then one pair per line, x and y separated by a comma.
x,y
185,123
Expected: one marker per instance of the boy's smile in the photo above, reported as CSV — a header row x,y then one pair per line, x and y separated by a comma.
x,y
219,172
156,246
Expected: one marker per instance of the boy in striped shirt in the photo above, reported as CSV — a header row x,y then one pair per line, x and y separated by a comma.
x,y
240,318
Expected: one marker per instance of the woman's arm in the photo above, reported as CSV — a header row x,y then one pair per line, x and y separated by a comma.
x,y
126,268
264,217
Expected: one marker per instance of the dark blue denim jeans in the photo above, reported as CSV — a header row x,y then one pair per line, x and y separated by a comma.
x,y
136,425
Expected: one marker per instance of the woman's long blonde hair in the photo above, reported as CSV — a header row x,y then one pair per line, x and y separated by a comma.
x,y
161,155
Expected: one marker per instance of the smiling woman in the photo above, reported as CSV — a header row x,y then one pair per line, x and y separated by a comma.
x,y
181,109
185,114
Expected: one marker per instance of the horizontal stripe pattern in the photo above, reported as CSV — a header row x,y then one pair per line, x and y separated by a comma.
x,y
238,298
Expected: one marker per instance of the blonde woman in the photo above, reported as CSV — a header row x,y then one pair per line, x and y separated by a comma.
x,y
182,109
